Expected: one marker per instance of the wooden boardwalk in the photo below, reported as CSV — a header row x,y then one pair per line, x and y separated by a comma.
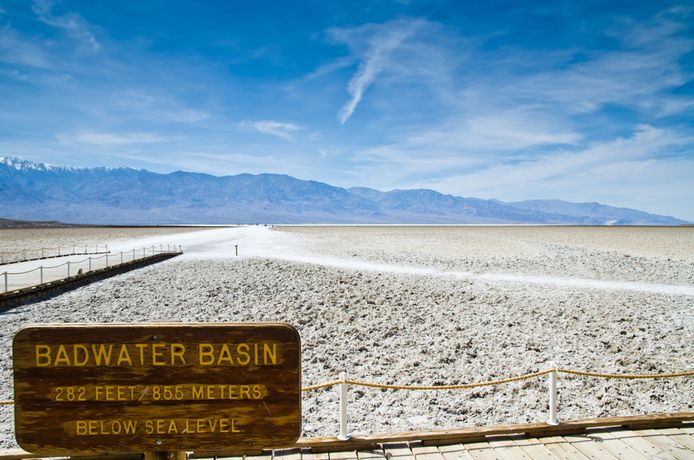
x,y
655,436
662,443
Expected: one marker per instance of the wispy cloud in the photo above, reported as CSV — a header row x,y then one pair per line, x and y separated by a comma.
x,y
381,40
15,50
281,129
581,174
103,139
332,66
71,23
157,105
497,132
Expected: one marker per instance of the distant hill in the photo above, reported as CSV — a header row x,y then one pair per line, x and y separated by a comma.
x,y
11,223
37,191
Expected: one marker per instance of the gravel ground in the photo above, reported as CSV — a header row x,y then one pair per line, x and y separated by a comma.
x,y
412,329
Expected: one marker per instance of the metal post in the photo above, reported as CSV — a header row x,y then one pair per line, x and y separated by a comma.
x,y
107,260
5,281
552,387
68,269
41,271
236,246
86,251
73,248
90,263
342,389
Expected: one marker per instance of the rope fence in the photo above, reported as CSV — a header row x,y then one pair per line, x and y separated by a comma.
x,y
343,388
467,386
12,281
26,255
343,383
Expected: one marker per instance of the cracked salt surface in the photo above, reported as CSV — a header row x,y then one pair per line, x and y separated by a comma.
x,y
263,242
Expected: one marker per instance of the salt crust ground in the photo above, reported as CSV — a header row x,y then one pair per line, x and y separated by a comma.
x,y
411,329
642,254
12,240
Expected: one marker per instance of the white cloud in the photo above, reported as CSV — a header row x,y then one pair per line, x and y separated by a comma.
x,y
374,55
283,130
331,67
623,171
637,73
102,139
72,23
14,50
158,107
497,132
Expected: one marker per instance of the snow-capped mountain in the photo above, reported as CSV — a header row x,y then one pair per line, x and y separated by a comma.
x,y
37,191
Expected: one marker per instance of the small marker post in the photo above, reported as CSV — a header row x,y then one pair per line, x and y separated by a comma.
x,y
236,247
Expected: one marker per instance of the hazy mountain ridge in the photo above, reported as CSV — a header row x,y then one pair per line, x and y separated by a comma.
x,y
36,191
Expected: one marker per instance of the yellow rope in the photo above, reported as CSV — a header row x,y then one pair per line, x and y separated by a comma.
x,y
426,387
497,382
447,387
481,384
322,385
625,376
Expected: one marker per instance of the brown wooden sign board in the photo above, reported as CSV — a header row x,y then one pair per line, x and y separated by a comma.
x,y
156,387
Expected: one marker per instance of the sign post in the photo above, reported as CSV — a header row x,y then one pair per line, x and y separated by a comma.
x,y
156,388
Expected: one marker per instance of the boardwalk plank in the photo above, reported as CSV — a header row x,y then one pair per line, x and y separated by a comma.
x,y
684,438
534,448
370,454
289,454
562,449
427,453
506,448
344,455
399,451
482,451
589,447
617,446
313,456
636,441
667,444
455,452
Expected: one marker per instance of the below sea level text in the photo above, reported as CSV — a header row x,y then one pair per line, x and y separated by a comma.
x,y
155,426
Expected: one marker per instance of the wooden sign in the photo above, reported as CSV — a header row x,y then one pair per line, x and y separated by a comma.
x,y
156,387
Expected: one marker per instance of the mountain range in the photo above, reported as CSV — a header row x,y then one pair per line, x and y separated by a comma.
x,y
125,196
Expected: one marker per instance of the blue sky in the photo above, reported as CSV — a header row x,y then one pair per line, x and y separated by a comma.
x,y
582,101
